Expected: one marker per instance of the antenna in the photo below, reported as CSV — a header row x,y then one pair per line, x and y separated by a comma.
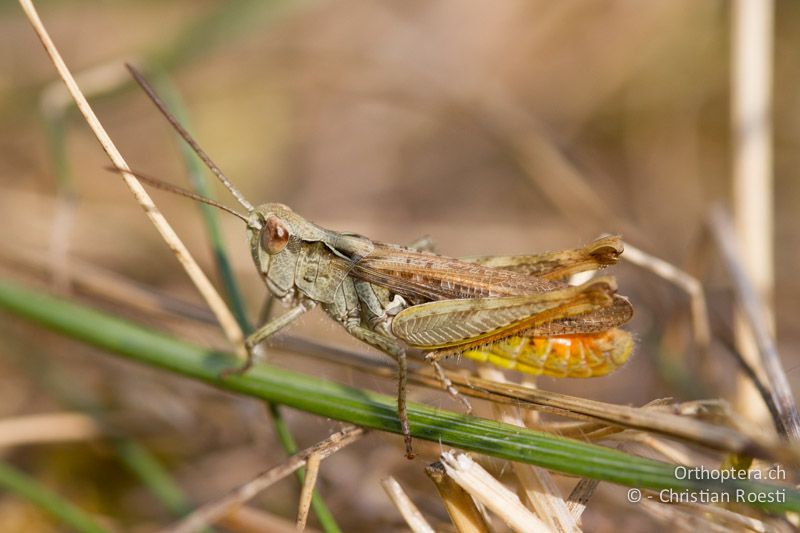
x,y
186,137
164,186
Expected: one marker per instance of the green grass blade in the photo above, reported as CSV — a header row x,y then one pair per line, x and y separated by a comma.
x,y
197,177
23,486
372,410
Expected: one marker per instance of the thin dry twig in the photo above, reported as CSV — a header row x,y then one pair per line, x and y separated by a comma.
x,y
411,514
683,280
312,470
788,421
491,493
204,286
213,511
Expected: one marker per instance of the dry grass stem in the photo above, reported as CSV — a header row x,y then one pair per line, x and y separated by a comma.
x,y
579,498
669,451
459,504
491,493
547,166
60,242
589,431
732,520
213,511
536,484
585,488
54,103
94,281
94,81
680,520
658,419
312,470
682,280
411,514
46,428
694,517
751,129
204,286
769,362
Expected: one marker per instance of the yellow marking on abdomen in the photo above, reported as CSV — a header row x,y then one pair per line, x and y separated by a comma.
x,y
573,356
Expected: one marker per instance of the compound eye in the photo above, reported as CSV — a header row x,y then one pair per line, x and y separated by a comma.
x,y
274,236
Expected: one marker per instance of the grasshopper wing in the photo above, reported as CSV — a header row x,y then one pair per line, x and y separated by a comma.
x,y
423,276
599,254
600,319
468,322
600,323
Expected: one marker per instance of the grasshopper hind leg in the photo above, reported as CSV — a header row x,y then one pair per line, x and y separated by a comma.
x,y
402,410
448,385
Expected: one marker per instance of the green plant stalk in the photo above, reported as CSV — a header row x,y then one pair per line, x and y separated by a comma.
x,y
132,454
219,26
147,468
135,456
197,177
23,486
324,515
199,183
372,410
55,126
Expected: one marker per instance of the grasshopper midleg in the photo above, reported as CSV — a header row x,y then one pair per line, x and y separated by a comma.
x,y
515,311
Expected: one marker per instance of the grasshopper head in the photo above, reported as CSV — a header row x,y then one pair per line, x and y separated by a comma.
x,y
280,238
271,228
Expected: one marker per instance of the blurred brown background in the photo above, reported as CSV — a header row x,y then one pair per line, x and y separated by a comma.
x,y
494,127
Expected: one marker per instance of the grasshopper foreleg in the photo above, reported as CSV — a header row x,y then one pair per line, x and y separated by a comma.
x,y
267,330
266,308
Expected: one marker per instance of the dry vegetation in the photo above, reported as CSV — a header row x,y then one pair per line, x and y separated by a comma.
x,y
494,127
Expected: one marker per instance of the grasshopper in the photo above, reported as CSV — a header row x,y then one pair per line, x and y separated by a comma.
x,y
515,312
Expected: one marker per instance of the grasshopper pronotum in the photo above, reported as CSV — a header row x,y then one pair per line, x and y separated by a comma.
x,y
515,312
